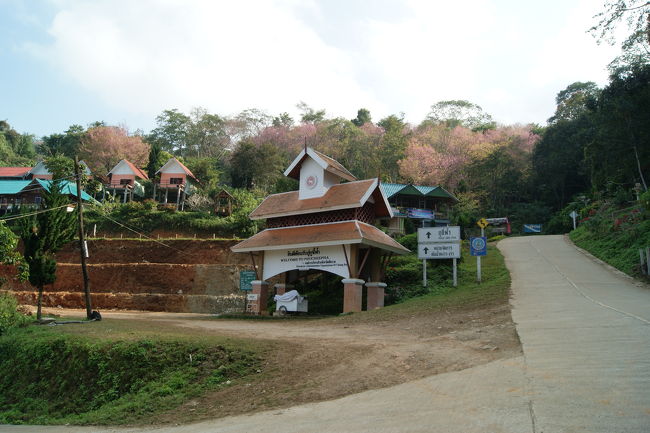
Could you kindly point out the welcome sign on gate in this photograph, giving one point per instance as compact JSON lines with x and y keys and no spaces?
{"x":323,"y":258}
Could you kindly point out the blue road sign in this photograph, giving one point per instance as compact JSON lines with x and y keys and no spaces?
{"x":478,"y":246}
{"x":532,"y":228}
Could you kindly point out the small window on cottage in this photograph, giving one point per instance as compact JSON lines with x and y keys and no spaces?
{"x":37,"y":199}
{"x":176,"y":180}
{"x":125,"y":181}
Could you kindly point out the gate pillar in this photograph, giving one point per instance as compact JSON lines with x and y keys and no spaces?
{"x":375,"y":295}
{"x":260,"y":293}
{"x":352,"y":294}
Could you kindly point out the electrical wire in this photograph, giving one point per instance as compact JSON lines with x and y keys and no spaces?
{"x":34,"y":213}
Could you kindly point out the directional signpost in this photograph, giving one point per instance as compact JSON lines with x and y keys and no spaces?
{"x":438,"y":243}
{"x":573,"y":216}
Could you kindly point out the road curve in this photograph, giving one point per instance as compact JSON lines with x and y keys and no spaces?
{"x":585,"y":332}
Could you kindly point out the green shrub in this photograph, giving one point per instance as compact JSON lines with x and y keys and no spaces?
{"x":50,"y":378}
{"x":10,"y":317}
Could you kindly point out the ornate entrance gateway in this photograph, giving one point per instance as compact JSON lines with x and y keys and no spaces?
{"x":326,"y":225}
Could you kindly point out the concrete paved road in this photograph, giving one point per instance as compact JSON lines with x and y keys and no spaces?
{"x":585,"y":331}
{"x":586,"y":365}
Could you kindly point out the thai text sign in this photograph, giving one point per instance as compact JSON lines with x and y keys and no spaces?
{"x":245,"y":279}
{"x":438,"y":234}
{"x":439,"y":242}
{"x":324,"y":258}
{"x":450,"y":250}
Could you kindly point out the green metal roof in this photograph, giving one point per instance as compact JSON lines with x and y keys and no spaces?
{"x":390,"y":189}
{"x":67,"y":187}
{"x":11,"y":187}
{"x":424,"y":190}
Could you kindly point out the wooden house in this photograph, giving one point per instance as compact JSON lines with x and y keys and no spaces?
{"x":123,"y":179}
{"x":175,"y":183}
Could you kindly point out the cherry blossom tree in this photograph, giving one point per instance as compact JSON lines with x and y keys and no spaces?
{"x":104,"y":146}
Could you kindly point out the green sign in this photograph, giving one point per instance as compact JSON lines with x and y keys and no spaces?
{"x":245,"y":279}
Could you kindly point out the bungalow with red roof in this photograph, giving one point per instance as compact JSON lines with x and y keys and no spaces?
{"x":178,"y":179}
{"x":123,"y":178}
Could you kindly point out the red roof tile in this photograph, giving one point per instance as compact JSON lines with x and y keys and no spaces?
{"x":338,"y":233}
{"x":139,"y":173}
{"x":14,"y":171}
{"x":341,"y":196}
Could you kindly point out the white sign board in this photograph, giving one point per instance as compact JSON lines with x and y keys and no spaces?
{"x":329,"y":258}
{"x":251,"y":297}
{"x":428,"y":235}
{"x":450,"y":250}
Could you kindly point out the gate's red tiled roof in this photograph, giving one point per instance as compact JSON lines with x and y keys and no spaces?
{"x":341,"y":196}
{"x":338,"y":233}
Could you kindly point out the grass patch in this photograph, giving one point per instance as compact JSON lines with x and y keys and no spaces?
{"x":615,"y":239}
{"x":114,"y":371}
{"x":469,"y":294}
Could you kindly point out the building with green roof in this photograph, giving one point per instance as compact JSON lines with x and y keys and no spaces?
{"x":17,"y":193}
{"x":425,"y":205}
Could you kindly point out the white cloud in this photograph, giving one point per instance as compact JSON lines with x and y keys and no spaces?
{"x":141,"y":57}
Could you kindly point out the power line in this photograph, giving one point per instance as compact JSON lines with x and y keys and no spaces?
{"x":33,"y":213}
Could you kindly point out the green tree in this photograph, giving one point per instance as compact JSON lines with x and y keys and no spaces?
{"x":62,"y":168}
{"x":67,"y":144}
{"x":283,"y":120}
{"x":393,"y":145}
{"x":558,"y":162}
{"x":8,"y":244}
{"x":43,"y":235}
{"x":254,"y":166}
{"x":620,"y":152}
{"x":15,"y":148}
{"x":460,"y":112}
{"x":363,"y":117}
{"x":205,"y":170}
{"x":171,"y":131}
{"x":574,"y":101}
{"x":309,"y":115}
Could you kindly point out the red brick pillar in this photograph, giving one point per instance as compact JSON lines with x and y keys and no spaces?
{"x":375,"y":295}
{"x":258,"y":298}
{"x":281,"y":289}
{"x":352,"y":294}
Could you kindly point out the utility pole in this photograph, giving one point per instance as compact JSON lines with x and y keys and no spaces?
{"x":82,"y":240}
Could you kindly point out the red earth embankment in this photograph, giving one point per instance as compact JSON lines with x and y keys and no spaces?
{"x":200,"y":276}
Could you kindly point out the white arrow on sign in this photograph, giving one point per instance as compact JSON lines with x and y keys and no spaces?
{"x":450,"y":250}
{"x":428,"y":235}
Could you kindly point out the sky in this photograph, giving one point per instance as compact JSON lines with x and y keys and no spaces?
{"x":65,"y":62}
